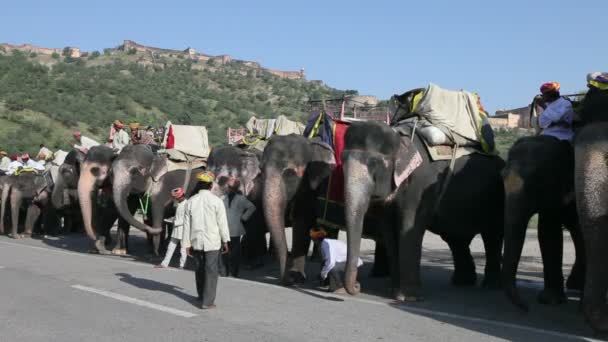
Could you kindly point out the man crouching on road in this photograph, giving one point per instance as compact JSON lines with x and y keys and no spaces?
{"x":334,"y":260}
{"x":205,"y":233}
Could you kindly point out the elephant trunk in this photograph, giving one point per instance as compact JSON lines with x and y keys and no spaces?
{"x":87,"y":187}
{"x":5,"y":192}
{"x":517,"y":216}
{"x":120,"y":191}
{"x":357,"y":193}
{"x":57,"y":196}
{"x":274,"y":203}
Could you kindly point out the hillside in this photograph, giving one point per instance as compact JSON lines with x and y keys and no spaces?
{"x":44,"y":96}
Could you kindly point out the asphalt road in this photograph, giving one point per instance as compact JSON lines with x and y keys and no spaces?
{"x":53,"y":290}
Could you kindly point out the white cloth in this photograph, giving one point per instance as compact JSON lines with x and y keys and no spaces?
{"x":456,"y":111}
{"x":86,"y":143}
{"x":45,"y":153}
{"x":334,"y":256}
{"x":183,"y":254}
{"x":239,"y":210}
{"x":121,"y":139}
{"x":205,"y":222}
{"x":34,"y":165}
{"x":13,"y":167}
{"x":191,"y":140}
{"x":178,"y":221}
{"x":556,"y":119}
{"x":4,"y":163}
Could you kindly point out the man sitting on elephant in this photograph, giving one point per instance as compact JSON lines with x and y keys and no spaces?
{"x":556,"y":119}
{"x":334,"y":259}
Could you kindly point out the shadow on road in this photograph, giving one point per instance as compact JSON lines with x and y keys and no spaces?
{"x":152,"y":285}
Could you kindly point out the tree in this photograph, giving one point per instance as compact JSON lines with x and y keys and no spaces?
{"x":131,"y":51}
{"x":55,"y":55}
{"x":33,"y":55}
{"x":94,"y":55}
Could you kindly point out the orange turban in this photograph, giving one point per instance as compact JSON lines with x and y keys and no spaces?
{"x":118,"y":124}
{"x":318,"y":233}
{"x":549,"y":87}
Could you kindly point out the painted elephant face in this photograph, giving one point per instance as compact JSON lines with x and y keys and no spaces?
{"x":229,"y":161}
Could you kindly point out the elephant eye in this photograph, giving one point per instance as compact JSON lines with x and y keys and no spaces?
{"x":95,"y":171}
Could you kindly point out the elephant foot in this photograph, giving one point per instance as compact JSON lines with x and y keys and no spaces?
{"x":575,"y":282}
{"x":411,"y":294}
{"x":464,"y":279}
{"x":491,"y":283}
{"x":26,"y":235}
{"x":119,"y":251}
{"x":551,"y":297}
{"x":100,"y":247}
{"x":597,"y":318}
{"x":14,"y":236}
{"x":297,"y":277}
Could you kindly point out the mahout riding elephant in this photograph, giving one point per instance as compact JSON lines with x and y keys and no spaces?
{"x":539,"y":179}
{"x":244,"y":165}
{"x":33,"y":190}
{"x":591,"y":189}
{"x":375,"y":158}
{"x":65,"y":190}
{"x":294,"y":168}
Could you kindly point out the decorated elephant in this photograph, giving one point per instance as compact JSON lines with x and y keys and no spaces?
{"x":591,"y":188}
{"x":539,"y":179}
{"x":294,"y":169}
{"x":382,"y":168}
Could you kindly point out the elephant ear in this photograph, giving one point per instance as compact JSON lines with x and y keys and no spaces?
{"x":158,"y":168}
{"x":323,"y":162}
{"x":406,"y":161}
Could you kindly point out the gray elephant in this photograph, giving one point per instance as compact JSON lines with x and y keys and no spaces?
{"x":294,"y":169}
{"x":539,"y":179}
{"x":32,"y":189}
{"x":244,"y":165}
{"x":375,"y":158}
{"x":65,"y":190}
{"x":591,"y":188}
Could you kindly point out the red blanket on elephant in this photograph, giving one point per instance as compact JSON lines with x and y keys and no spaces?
{"x":335,"y":191}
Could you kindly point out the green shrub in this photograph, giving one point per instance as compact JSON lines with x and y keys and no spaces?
{"x":55,"y":55}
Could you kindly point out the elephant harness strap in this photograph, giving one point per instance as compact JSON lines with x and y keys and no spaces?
{"x":144,"y":205}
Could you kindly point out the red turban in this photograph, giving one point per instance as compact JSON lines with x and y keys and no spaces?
{"x":549,"y":87}
{"x":76,"y":134}
{"x":177,"y":193}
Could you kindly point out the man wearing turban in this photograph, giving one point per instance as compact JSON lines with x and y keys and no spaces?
{"x":205,"y":234}
{"x":556,"y":119}
{"x":121,"y":138}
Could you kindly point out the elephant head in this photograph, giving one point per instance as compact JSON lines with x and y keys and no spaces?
{"x":94,"y":173}
{"x":132,"y":171}
{"x":375,"y":161}
{"x":230,"y":161}
{"x":290,"y":164}
{"x":67,"y":178}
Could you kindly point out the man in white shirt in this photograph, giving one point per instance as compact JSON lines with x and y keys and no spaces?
{"x":556,"y":119}
{"x":334,"y":254}
{"x":177,"y":234}
{"x":83,"y":143}
{"x":15,"y":165}
{"x":31,"y":164}
{"x":121,"y":138}
{"x":205,"y":233}
{"x":44,"y":153}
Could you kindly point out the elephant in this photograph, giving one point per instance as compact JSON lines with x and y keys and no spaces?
{"x":470,"y":202}
{"x":591,"y":190}
{"x":65,"y":190}
{"x":294,"y":168}
{"x":28,"y":188}
{"x":244,"y":165}
{"x":539,"y":179}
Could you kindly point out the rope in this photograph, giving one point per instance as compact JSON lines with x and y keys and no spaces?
{"x":144,"y":208}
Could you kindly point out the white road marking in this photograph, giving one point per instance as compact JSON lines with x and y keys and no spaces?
{"x":135,"y":301}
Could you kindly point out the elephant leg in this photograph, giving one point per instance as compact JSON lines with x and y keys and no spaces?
{"x":392,"y":251}
{"x":16,"y":200}
{"x":410,"y":251}
{"x":381,"y":265}
{"x":576,"y":280}
{"x":304,"y":220}
{"x":550,"y":239}
{"x":122,"y":247}
{"x":492,"y":242}
{"x":33,"y":213}
{"x":464,"y":266}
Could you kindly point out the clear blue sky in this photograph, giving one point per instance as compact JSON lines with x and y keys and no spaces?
{"x":502,"y":49}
